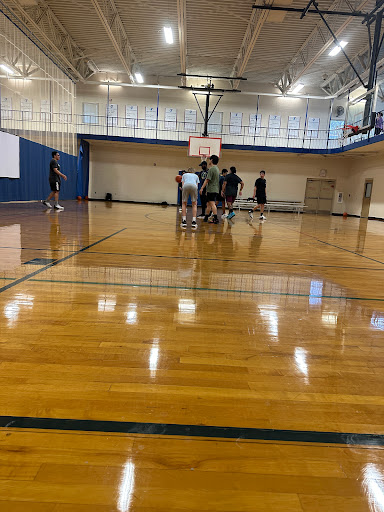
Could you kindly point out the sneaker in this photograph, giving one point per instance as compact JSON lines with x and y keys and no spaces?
{"x":183,"y":224}
{"x":194,"y":224}
{"x":201,"y":216}
{"x":211,"y":215}
{"x":262,"y":217}
{"x":231,"y":215}
{"x":46,"y":203}
{"x":180,"y":210}
{"x":224,"y":216}
{"x":58,"y":207}
{"x":214,"y":221}
{"x":205,"y":219}
{"x":250,"y":213}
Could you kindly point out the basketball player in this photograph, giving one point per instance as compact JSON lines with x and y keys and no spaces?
{"x":230,"y":186}
{"x":211,"y":184}
{"x":203,"y":196}
{"x":260,"y":192}
{"x":189,"y":182}
{"x":220,"y":196}
{"x":54,"y":181}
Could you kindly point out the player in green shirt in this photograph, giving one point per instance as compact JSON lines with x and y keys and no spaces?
{"x":212,"y":185}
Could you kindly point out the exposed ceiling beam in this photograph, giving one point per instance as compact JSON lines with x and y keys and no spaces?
{"x":110,"y":18}
{"x":314,"y":46}
{"x":251,"y":35}
{"x":182,"y":24}
{"x":345,"y":78}
{"x":45,"y":29}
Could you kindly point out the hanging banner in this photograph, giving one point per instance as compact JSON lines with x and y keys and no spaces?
{"x":26,"y":109}
{"x":254,"y":124}
{"x":111,"y":113}
{"x":274,"y":126}
{"x":235,"y":122}
{"x":293,"y":127}
{"x":190,"y":117}
{"x":313,"y":127}
{"x":170,"y":119}
{"x":150,"y":118}
{"x":45,"y":110}
{"x":65,"y":111}
{"x":131,"y":116}
{"x":6,"y":108}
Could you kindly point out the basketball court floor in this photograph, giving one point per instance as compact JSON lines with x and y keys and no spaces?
{"x":144,"y":368}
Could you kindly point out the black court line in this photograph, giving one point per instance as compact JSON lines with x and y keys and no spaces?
{"x":32,"y":274}
{"x":195,"y":288}
{"x":171,"y":429}
{"x":335,"y":246}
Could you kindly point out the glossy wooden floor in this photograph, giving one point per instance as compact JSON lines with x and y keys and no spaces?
{"x":277,"y":325}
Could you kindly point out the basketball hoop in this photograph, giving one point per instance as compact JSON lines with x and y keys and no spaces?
{"x":204,"y":147}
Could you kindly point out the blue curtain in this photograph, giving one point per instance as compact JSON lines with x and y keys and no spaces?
{"x":83,"y":169}
{"x":34,"y":171}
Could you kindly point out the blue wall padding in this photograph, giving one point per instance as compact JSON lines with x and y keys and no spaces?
{"x":34,"y":171}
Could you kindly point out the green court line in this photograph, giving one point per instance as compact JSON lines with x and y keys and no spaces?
{"x":8,"y":278}
{"x":190,"y":288}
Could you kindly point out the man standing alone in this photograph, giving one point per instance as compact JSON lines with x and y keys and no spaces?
{"x":260,"y":192}
{"x":54,"y":181}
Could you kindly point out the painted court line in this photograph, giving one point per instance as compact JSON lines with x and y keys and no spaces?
{"x":32,"y":274}
{"x":133,"y":285}
{"x":171,"y":429}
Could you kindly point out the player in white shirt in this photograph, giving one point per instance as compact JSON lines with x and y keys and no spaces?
{"x":189,"y":182}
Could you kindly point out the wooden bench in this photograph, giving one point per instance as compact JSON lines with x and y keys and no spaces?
{"x":284,"y":206}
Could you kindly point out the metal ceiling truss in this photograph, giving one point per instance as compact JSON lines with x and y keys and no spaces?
{"x":182,"y":25}
{"x":251,"y":35}
{"x":110,"y":18}
{"x":44,"y":27}
{"x":19,"y":61}
{"x":316,"y":44}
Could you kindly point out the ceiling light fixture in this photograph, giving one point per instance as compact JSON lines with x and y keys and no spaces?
{"x":168,"y":35}
{"x":337,"y":48}
{"x":296,"y":89}
{"x":7,"y":69}
{"x":139,"y":78}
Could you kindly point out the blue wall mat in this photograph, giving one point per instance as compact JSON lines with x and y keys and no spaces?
{"x":83,"y":169}
{"x":34,"y":171}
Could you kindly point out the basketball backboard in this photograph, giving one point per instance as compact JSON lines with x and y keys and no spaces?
{"x":204,"y":146}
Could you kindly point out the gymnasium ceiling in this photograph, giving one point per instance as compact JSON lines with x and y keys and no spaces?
{"x":114,"y":39}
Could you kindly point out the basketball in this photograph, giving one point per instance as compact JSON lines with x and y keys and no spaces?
{"x":178,"y":178}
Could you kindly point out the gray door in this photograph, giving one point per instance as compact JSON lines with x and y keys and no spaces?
{"x":319,"y":195}
{"x":366,"y":198}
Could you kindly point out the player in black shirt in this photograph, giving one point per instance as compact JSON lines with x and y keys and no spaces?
{"x":203,"y":197}
{"x":54,"y":181}
{"x":260,"y":192}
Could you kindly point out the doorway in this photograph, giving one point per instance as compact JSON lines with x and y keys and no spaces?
{"x":366,"y":198}
{"x":319,"y":195}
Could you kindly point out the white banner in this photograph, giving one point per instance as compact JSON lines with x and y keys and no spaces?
{"x":313,"y":124}
{"x":293,"y":127}
{"x":274,"y":126}
{"x":190,"y":117}
{"x":45,"y":110}
{"x":131,"y":116}
{"x":65,"y":111}
{"x":111,"y":113}
{"x":10,"y":156}
{"x":6,"y":108}
{"x":235,"y":122}
{"x":26,"y":109}
{"x":150,"y":118}
{"x":254,"y":124}
{"x":170,"y":119}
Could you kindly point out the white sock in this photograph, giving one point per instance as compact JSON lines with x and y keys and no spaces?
{"x":193,"y":219}
{"x":185,"y":218}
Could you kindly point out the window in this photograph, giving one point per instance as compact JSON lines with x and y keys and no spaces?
{"x":90,"y":113}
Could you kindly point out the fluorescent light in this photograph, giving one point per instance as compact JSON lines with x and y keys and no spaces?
{"x":337,"y":48}
{"x":168,"y":35}
{"x":296,"y":89}
{"x":139,"y":78}
{"x":7,"y":69}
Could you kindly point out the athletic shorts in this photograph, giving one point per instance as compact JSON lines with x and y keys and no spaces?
{"x":55,"y":186}
{"x":212,"y":196}
{"x":189,"y":190}
{"x":231,"y":199}
{"x":261,"y":199}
